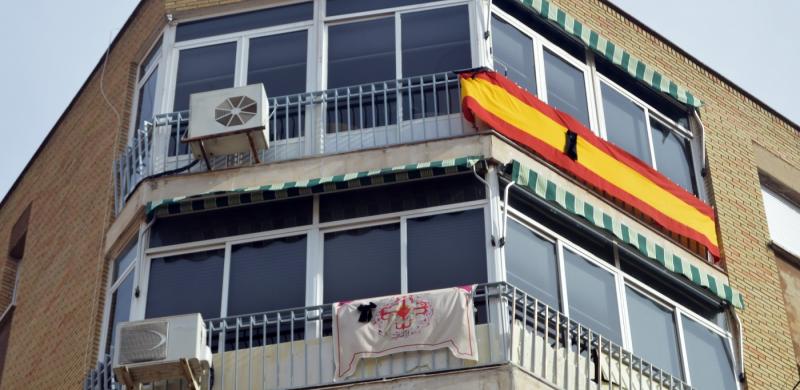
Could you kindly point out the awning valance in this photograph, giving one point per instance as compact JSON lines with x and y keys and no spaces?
{"x":240,"y":196}
{"x":604,"y":217}
{"x":612,"y":52}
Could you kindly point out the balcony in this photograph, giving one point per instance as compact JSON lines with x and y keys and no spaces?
{"x":340,"y":120}
{"x":293,"y":349}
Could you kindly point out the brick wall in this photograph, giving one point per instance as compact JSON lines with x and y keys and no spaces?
{"x":56,"y":324}
{"x":734,"y":123}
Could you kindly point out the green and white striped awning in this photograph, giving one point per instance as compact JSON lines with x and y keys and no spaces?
{"x":600,"y":215}
{"x":241,"y":196}
{"x":617,"y":55}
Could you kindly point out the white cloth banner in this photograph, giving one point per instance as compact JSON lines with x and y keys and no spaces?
{"x":425,"y":321}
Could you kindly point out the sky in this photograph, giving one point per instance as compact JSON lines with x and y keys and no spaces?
{"x":49,"y":47}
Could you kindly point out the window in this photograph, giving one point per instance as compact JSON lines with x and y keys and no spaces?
{"x":435,"y":41}
{"x":566,"y":87}
{"x":434,"y":258}
{"x":513,"y":54}
{"x":531,"y":263}
{"x":279,"y":62}
{"x":625,"y":124}
{"x":653,"y":332}
{"x":245,"y":21}
{"x":658,"y":321}
{"x":204,"y":69}
{"x":646,"y":134}
{"x":709,"y":357}
{"x":187,"y":283}
{"x":121,"y":292}
{"x":148,"y":80}
{"x":592,"y":297}
{"x":783,"y":217}
{"x":372,"y":59}
{"x":267,"y":275}
{"x":374,"y":272}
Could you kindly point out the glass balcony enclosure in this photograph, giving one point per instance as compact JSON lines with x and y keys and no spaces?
{"x":275,"y":256}
{"x":376,"y":74}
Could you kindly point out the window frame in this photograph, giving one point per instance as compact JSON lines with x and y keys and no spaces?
{"x":396,"y":13}
{"x":540,"y":44}
{"x":622,"y":280}
{"x":315,"y":236}
{"x":156,"y":66}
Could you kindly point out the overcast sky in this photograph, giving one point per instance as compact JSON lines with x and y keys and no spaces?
{"x":49,"y":47}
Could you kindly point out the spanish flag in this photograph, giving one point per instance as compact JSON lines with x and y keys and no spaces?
{"x":568,"y":144}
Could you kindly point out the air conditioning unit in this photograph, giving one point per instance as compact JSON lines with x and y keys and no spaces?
{"x":228,"y":121}
{"x":162,"y":348}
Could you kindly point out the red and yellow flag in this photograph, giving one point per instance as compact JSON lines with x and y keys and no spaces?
{"x":528,"y":121}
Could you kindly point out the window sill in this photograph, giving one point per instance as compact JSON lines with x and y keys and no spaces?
{"x":784,"y":253}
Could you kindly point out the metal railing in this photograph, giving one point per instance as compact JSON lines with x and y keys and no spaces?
{"x":293,"y":348}
{"x":337,"y":120}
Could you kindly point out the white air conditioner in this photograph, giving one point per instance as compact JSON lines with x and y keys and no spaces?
{"x":160,"y":349}
{"x":228,"y":121}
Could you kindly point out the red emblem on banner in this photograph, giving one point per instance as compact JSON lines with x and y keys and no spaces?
{"x":403,"y":316}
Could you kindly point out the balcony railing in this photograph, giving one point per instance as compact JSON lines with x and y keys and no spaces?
{"x":293,"y":349}
{"x":337,"y":120}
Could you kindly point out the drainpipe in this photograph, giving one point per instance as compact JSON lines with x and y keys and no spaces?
{"x":505,"y":213}
{"x":740,"y":343}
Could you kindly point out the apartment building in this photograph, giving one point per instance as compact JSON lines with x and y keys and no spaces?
{"x":623,"y":214}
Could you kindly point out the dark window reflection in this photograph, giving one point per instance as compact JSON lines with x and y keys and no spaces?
{"x":267,"y":275}
{"x":592,"y":296}
{"x":446,"y":250}
{"x":244,"y":21}
{"x":626,"y":125}
{"x":531,"y":263}
{"x":361,"y":52}
{"x":184,"y":284}
{"x":653,"y":333}
{"x":513,"y":54}
{"x":435,"y":41}
{"x":673,"y":156}
{"x":710,"y":360}
{"x":361,"y":263}
{"x":566,"y":87}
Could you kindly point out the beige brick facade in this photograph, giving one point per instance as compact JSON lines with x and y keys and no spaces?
{"x":57,"y":321}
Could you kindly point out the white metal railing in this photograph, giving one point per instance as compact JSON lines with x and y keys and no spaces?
{"x":326,"y":122}
{"x":293,"y":349}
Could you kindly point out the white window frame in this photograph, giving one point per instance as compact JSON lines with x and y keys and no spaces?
{"x":622,"y":280}
{"x":315,"y":235}
{"x":157,"y":67}
{"x":540,"y":43}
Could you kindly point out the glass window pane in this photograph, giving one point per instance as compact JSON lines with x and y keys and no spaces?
{"x":673,"y":156}
{"x":513,"y":54}
{"x":147,"y":100}
{"x":361,"y":263}
{"x":183,"y":284}
{"x":783,"y":218}
{"x":120,"y":308}
{"x":204,"y":69}
{"x":653,"y":333}
{"x":592,"y":296}
{"x":446,"y":250}
{"x":245,"y":21}
{"x":232,"y":221}
{"x":710,"y":360}
{"x":267,"y":275}
{"x":566,"y":89}
{"x":151,"y":59}
{"x":341,"y":7}
{"x":436,"y":41}
{"x":625,"y":123}
{"x":124,"y":260}
{"x":279,"y":62}
{"x":531,"y":263}
{"x":400,"y":197}
{"x":372,"y":59}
